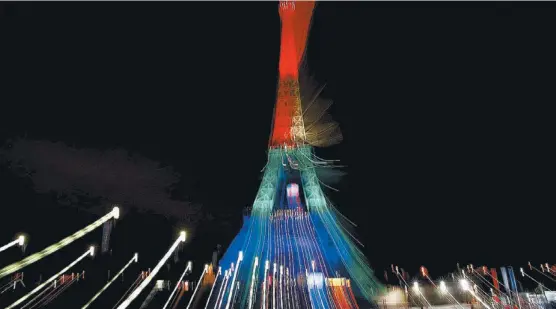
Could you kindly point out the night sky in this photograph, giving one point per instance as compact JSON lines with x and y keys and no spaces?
{"x":446,"y":110}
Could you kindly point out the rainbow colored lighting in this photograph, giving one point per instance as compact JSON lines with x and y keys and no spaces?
{"x":310,"y":260}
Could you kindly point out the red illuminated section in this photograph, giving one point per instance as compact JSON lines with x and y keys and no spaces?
{"x":295,"y":17}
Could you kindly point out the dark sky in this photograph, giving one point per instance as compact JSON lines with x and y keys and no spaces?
{"x":446,"y":111}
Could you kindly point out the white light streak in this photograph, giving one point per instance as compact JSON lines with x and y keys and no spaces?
{"x":223,"y":289}
{"x":274,"y":287}
{"x":10,"y":269}
{"x":133,"y":259}
{"x":150,"y":277}
{"x":281,"y":287}
{"x":35,"y":290}
{"x":253,"y":282}
{"x":465,"y":286}
{"x":239,"y":259}
{"x":10,"y":244}
{"x":213,"y":285}
{"x":266,"y":267}
{"x":187,"y":268}
{"x":197,"y":287}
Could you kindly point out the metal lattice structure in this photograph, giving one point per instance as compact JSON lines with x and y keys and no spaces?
{"x":292,"y":251}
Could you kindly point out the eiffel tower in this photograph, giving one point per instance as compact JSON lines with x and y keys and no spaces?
{"x":292,"y":251}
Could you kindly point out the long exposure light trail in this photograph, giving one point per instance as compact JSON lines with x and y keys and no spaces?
{"x":135,"y":258}
{"x":406,"y":285}
{"x":465,"y":286}
{"x":197,"y":287}
{"x":19,"y":241}
{"x":239,"y":259}
{"x":281,"y":287}
{"x":90,"y":251}
{"x":417,"y":291}
{"x":49,"y":289}
{"x":253,"y":282}
{"x":524,"y":274}
{"x":150,"y":277}
{"x":443,"y":288}
{"x":213,"y":286}
{"x":131,"y":288}
{"x":542,"y":272}
{"x":266,"y":267}
{"x":187,"y":268}
{"x":115,"y":213}
{"x":274,"y":287}
{"x":223,"y":289}
{"x":54,"y":293}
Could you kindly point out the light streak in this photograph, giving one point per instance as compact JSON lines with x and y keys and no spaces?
{"x":115,"y":213}
{"x":90,"y":251}
{"x":197,"y":287}
{"x":223,"y":289}
{"x":523,"y":273}
{"x":55,"y":293}
{"x":41,"y":294}
{"x":135,"y":258}
{"x":239,"y":259}
{"x":444,"y":290}
{"x":274,"y":287}
{"x":213,"y":285}
{"x":417,"y":290}
{"x":266,"y":267}
{"x":19,"y":241}
{"x":150,"y":277}
{"x":465,"y":286}
{"x":187,"y":268}
{"x":131,"y":288}
{"x":406,"y":285}
{"x":281,"y":287}
{"x":53,"y":286}
{"x":253,"y":282}
{"x":542,"y":272}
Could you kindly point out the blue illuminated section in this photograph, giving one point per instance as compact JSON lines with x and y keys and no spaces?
{"x":288,"y":249}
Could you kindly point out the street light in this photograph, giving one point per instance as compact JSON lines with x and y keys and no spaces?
{"x":416,"y":286}
{"x":116,"y":212}
{"x":443,"y":288}
{"x":464,"y":284}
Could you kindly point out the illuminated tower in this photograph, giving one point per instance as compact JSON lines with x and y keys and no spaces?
{"x":292,"y":251}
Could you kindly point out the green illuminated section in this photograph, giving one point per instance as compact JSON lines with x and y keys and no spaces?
{"x":264,"y":200}
{"x":353,"y":259}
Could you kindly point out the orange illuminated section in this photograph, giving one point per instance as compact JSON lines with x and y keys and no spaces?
{"x":295,"y":18}
{"x":342,"y":294}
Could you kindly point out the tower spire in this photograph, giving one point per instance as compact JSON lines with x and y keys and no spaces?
{"x":288,"y":128}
